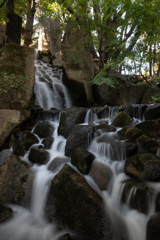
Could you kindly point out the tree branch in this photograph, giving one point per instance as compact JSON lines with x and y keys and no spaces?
{"x":145,"y":79}
{"x":3,"y":3}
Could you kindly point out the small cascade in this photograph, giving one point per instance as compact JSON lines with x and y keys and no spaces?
{"x":36,"y":54}
{"x":49,"y":90}
{"x":90,"y":117}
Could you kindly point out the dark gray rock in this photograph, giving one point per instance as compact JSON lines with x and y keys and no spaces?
{"x":141,"y":195}
{"x":101,"y":174}
{"x":48,"y":141}
{"x":143,"y":167}
{"x":130,"y":133}
{"x":153,"y":227}
{"x":147,"y":145}
{"x":79,"y":136}
{"x":44,"y":129}
{"x":39,"y":156}
{"x":68,"y":118}
{"x":81,"y":209}
{"x":152,"y":112}
{"x":82,"y":159}
{"x":150,"y":127}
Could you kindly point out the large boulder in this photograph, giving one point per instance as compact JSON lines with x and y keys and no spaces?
{"x":50,"y":34}
{"x":80,"y":208}
{"x":143,"y":167}
{"x":121,"y":94}
{"x":132,"y":94}
{"x":152,"y":112}
{"x":151,"y":91}
{"x":2,"y":36}
{"x":15,"y":181}
{"x":78,"y":66}
{"x":68,"y":118}
{"x":153,"y":227}
{"x":150,"y":127}
{"x":79,"y":136}
{"x":10,"y":119}
{"x":17,"y":60}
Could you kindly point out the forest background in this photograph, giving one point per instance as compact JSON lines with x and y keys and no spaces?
{"x":124,"y":35}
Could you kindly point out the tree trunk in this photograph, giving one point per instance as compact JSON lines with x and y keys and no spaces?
{"x":29,"y":24}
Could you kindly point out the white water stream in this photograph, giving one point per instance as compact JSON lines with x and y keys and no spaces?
{"x":31,"y":224}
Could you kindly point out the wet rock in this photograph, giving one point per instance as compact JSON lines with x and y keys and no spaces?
{"x":82,"y":159}
{"x":130,"y":132}
{"x":79,"y":136}
{"x":80,"y":208}
{"x":152,"y":112}
{"x":44,"y":129}
{"x":147,"y":145}
{"x":5,"y":213}
{"x":131,"y":149}
{"x":101,"y":174}
{"x":57,"y":163}
{"x":150,"y":127}
{"x":105,"y":128}
{"x":48,"y":141}
{"x":143,"y":167}
{"x":39,"y":156}
{"x":21,"y":146}
{"x":15,"y":181}
{"x":153,"y":227}
{"x":49,"y":115}
{"x":136,"y":111}
{"x":137,"y":195}
{"x":9,"y":120}
{"x":121,"y":120}
{"x":158,"y":202}
{"x":68,"y":118}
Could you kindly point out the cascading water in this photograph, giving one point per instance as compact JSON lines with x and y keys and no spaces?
{"x":49,"y":90}
{"x":31,"y":224}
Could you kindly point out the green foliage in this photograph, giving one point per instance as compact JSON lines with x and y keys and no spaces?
{"x":13,"y":82}
{"x":156,"y":98}
{"x":101,"y":78}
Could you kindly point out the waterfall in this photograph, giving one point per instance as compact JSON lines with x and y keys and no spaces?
{"x":49,"y":90}
{"x":31,"y":223}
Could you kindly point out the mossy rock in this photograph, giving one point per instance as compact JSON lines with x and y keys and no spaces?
{"x":130,"y":132}
{"x":39,"y":156}
{"x":143,"y":167}
{"x":150,"y":127}
{"x":17,"y":60}
{"x":81,"y":209}
{"x":82,"y":159}
{"x":5,"y":213}
{"x":121,"y":120}
{"x":147,"y":145}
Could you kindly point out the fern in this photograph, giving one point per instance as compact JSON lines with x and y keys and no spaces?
{"x":100,"y":79}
